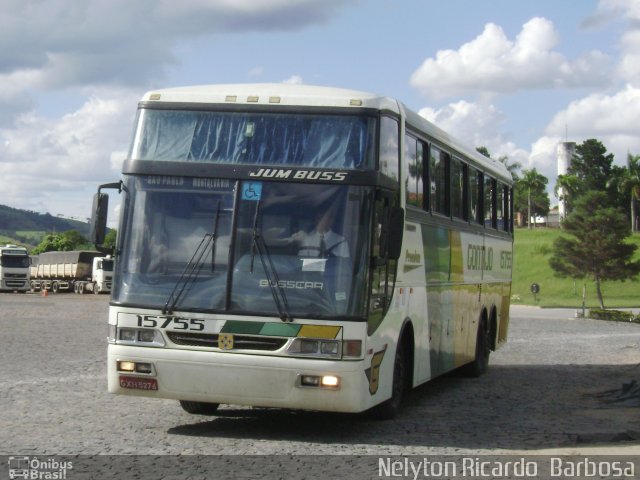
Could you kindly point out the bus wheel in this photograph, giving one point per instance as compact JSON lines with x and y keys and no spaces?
{"x":199,"y":408}
{"x":391,"y":408}
{"x":480,"y":363}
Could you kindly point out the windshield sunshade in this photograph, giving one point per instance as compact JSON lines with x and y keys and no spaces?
{"x":321,"y":141}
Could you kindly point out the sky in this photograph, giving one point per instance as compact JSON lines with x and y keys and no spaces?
{"x":515,"y":76}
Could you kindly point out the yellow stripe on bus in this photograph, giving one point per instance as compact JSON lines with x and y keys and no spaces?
{"x":318,"y":331}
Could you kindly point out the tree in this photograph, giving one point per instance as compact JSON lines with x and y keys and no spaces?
{"x":110,"y":239}
{"x":598,"y":250}
{"x":530,"y":190}
{"x":512,"y":167}
{"x":627,"y":182}
{"x":591,"y":168}
{"x":62,"y":242}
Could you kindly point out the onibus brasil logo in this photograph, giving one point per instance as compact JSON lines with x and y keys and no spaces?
{"x":38,"y":468}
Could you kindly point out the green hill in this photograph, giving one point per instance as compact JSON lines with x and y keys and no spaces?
{"x":28,"y":228}
{"x":533,"y":249}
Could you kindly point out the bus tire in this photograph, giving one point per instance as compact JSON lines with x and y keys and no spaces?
{"x":199,"y":408}
{"x":391,"y":408}
{"x":480,"y":363}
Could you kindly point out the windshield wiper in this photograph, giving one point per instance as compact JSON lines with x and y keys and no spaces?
{"x":194,"y":266}
{"x":277,"y":292}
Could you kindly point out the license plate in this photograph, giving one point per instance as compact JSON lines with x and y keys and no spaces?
{"x":138,"y":383}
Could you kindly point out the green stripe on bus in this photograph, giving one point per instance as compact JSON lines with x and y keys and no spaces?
{"x":280,"y":329}
{"x":248,"y":328}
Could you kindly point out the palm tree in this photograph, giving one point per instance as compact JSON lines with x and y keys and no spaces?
{"x":531,"y":180}
{"x":628,"y":181}
{"x":632,"y":184}
{"x":512,"y":167}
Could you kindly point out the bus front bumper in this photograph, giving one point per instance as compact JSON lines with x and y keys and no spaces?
{"x":239,"y":379}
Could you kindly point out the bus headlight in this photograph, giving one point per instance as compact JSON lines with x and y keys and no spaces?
{"x":144,"y":337}
{"x":323,"y":348}
{"x":316,"y":347}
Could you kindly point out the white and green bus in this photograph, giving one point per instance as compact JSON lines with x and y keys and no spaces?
{"x":301,"y":247}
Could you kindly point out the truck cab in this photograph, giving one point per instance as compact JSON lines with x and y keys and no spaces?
{"x":14,"y":269}
{"x":102,"y":274}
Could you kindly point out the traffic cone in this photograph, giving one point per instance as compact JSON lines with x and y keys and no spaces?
{"x":45,"y":292}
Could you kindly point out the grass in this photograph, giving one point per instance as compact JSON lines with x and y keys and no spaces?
{"x":533,"y":248}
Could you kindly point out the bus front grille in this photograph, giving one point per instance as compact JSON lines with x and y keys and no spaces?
{"x":240,"y":342}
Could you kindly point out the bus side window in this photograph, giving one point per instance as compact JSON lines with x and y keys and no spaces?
{"x":439,"y":181}
{"x":500,"y":213}
{"x":506,"y":208}
{"x":383,"y":269}
{"x":475,"y":192}
{"x":511,"y":213}
{"x":389,"y":147}
{"x":459,"y":189}
{"x":413,"y":171}
{"x":489,"y":202}
{"x":421,"y":156}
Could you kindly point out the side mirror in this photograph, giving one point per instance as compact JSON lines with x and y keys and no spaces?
{"x":98,"y":225}
{"x":396,"y":231}
{"x":99,"y":211}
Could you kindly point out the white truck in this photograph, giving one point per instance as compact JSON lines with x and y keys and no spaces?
{"x":14,"y":269}
{"x":80,"y":271}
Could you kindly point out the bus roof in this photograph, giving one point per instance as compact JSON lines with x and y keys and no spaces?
{"x":283,"y":94}
{"x":272,"y":94}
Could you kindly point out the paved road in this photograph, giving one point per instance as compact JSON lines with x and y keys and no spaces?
{"x":540,"y":393}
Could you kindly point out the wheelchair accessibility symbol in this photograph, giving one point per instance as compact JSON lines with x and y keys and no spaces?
{"x":251,"y":191}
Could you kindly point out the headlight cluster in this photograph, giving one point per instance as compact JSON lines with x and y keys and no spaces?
{"x":322,"y":348}
{"x":143,"y":337}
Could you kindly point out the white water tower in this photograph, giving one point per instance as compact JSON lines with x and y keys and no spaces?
{"x":564,"y":151}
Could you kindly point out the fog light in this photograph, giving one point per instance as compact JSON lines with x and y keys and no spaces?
{"x":310,"y":380}
{"x":330,"y":381}
{"x":143,"y":367}
{"x":124,"y":366}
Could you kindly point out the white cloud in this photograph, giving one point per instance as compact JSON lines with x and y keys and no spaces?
{"x":600,"y":115}
{"x":626,"y":12}
{"x":55,"y":164}
{"x":492,"y":63}
{"x":476,"y":124}
{"x":612,"y":10}
{"x":611,"y":119}
{"x":60,"y":44}
{"x":114,"y":51}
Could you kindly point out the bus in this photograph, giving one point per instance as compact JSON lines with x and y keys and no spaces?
{"x":14,"y":269}
{"x":301,"y":247}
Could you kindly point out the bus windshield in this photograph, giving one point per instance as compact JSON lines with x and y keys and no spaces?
{"x":322,"y":141}
{"x":245,"y":245}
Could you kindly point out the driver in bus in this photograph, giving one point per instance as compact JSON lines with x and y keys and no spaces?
{"x":322,"y":241}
